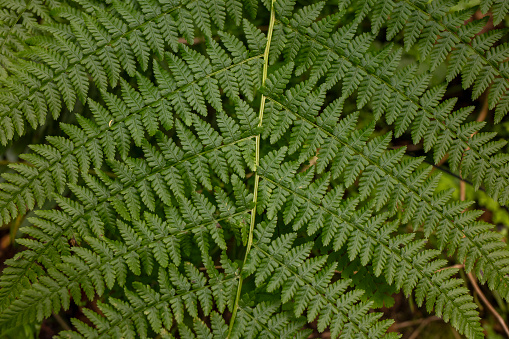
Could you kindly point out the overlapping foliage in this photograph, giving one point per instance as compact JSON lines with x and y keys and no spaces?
{"x":219,"y":176}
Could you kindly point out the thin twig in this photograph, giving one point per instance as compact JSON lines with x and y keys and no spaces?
{"x":195,"y":41}
{"x":15,"y":226}
{"x":62,"y":322}
{"x":455,"y":333}
{"x":109,"y":174}
{"x":444,"y":159}
{"x":423,"y":324}
{"x":484,"y":110}
{"x":453,"y":266}
{"x":7,"y":162}
{"x":490,"y":307}
{"x":216,"y":267}
{"x":463,"y":190}
{"x":414,"y":322}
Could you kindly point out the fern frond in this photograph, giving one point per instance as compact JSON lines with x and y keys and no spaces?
{"x":225,"y":182}
{"x":19,"y":23}
{"x":403,"y":94}
{"x":297,"y":276}
{"x":166,"y":170}
{"x":150,"y":310}
{"x":97,"y":43}
{"x":113,"y":129}
{"x":370,"y":245}
{"x":108,"y":262}
{"x":442,"y":33}
{"x":350,"y":153}
{"x":121,"y":196}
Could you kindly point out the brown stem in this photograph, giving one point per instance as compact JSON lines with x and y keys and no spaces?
{"x":7,"y":162}
{"x":415,"y":322}
{"x":485,"y":300}
{"x":216,"y":267}
{"x":444,"y":159}
{"x":453,"y":266}
{"x":423,"y":324}
{"x":61,"y":321}
{"x":484,"y":110}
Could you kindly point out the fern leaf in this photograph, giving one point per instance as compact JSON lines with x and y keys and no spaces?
{"x":246,"y":168}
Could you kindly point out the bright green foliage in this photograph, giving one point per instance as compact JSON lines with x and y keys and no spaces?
{"x":19,"y":22}
{"x":223,"y":181}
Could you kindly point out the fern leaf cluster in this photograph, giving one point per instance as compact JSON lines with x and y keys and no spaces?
{"x":19,"y":22}
{"x":221,"y":169}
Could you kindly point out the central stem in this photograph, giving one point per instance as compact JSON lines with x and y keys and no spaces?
{"x":257,"y":163}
